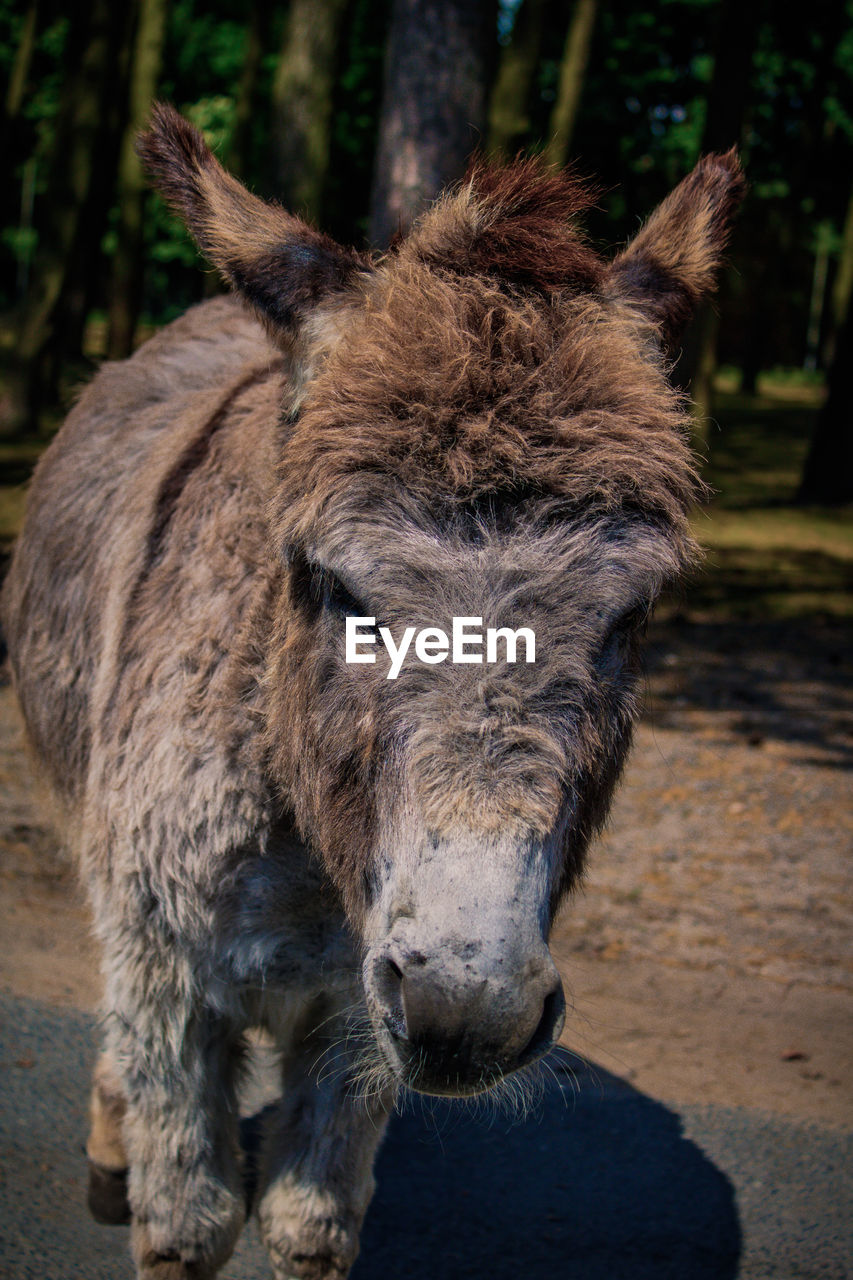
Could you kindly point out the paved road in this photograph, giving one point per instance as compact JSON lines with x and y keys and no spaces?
{"x":604,"y":1184}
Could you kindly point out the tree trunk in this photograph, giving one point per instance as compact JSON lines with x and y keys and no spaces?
{"x":509,"y":118}
{"x":238,"y":155}
{"x":817,"y":299}
{"x":132,"y":188}
{"x":699,"y":359}
{"x":728,"y":96}
{"x":433,"y":108}
{"x":23,"y":60}
{"x":828,"y":470}
{"x":842,"y":287}
{"x":302,"y":102}
{"x":16,"y":202}
{"x":572,"y":71}
{"x":94,"y":43}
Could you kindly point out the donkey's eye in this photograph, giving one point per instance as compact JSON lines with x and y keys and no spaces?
{"x":303,"y":584}
{"x":339,"y":597}
{"x":632,"y":622}
{"x":314,"y":588}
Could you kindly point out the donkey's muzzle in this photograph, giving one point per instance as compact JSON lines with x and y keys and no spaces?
{"x":456,"y":1022}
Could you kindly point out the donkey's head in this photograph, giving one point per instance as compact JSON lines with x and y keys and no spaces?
{"x":478,"y":426}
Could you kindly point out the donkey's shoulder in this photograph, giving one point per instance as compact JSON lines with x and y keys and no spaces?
{"x":204,"y":348}
{"x":147,"y":407}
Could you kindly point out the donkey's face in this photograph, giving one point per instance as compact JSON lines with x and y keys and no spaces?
{"x":479,"y":428}
{"x":456,"y":800}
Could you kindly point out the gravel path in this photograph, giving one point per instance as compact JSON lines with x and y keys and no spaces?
{"x":603,"y":1183}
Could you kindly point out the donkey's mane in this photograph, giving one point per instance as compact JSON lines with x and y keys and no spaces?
{"x":516,"y":222}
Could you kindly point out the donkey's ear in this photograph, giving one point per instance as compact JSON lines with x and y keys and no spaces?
{"x":672,"y":261}
{"x":276,"y":261}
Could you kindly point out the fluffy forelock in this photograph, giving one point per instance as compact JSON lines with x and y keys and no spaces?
{"x":450,"y":390}
{"x":517,"y":223}
{"x":462,"y":370}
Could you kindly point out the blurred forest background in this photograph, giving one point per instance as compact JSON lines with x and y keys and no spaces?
{"x":354,"y":112}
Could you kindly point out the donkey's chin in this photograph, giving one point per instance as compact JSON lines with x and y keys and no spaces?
{"x":452,"y":1074}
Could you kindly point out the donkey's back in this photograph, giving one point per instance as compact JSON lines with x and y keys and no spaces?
{"x":101,"y":499}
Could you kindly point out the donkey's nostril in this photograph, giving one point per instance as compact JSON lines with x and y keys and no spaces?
{"x":388,"y":980}
{"x":389,"y":989}
{"x":447,"y":1030}
{"x":549,"y":1027}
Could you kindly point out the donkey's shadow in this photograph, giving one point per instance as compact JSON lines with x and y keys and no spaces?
{"x":600,"y":1184}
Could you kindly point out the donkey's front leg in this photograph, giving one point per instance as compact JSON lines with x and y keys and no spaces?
{"x":317,"y":1178}
{"x":176,"y":1063}
{"x":105,"y":1146}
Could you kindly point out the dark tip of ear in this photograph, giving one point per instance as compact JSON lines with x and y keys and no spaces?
{"x":171,"y":149}
{"x":168,"y":133}
{"x":721,"y":176}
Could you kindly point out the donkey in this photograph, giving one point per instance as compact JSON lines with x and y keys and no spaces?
{"x":476,"y":425}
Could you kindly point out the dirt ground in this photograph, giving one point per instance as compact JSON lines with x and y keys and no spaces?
{"x":708,"y":956}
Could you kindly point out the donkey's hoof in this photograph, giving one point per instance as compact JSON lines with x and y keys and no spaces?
{"x":201,"y":1259}
{"x":315,"y":1266}
{"x":170,"y":1266}
{"x":316,"y":1259}
{"x":107,"y":1195}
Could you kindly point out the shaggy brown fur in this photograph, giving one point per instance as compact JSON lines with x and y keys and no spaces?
{"x":518,"y":224}
{"x":490,"y":394}
{"x":476,"y":424}
{"x":672,"y":262}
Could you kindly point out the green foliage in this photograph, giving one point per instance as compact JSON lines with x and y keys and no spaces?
{"x":205,"y":49}
{"x":640,"y":128}
{"x":30,"y":135}
{"x":358,"y":99}
{"x":644,"y":101}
